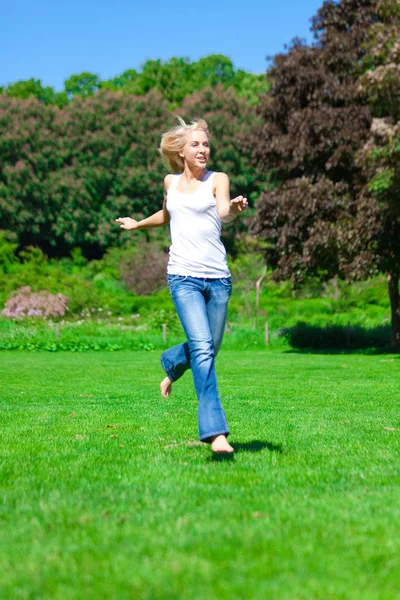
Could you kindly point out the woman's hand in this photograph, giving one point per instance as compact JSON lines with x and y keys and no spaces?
{"x":127,"y":223}
{"x":238,"y":205}
{"x":227,"y":209}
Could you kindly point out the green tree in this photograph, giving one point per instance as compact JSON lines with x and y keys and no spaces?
{"x":122,"y":82}
{"x":67,"y":174}
{"x":380,"y":157}
{"x":174,"y":80}
{"x":31,"y":88}
{"x":230,"y":120}
{"x":250,"y":87}
{"x":85,"y":84}
{"x":178,"y":78}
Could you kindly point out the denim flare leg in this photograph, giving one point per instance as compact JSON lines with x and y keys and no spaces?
{"x":201,"y":304}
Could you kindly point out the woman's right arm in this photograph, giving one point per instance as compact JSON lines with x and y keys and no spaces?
{"x":158,"y":219}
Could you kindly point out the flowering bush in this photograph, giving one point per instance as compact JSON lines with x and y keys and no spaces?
{"x":25,"y":303}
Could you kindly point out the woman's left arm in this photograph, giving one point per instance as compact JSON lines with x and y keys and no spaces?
{"x":227,"y":209}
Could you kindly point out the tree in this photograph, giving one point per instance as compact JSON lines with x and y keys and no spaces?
{"x":174,"y":80}
{"x":67,"y":174}
{"x":321,"y":219}
{"x":250,"y":86}
{"x":127,"y":78}
{"x":380,"y":158}
{"x":85,"y":84}
{"x":178,"y":78}
{"x":31,"y":88}
{"x":230,"y":120}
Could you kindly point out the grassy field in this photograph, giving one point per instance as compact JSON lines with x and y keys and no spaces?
{"x":106,"y":492}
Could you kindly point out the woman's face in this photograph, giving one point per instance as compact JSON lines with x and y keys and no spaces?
{"x":196,"y":150}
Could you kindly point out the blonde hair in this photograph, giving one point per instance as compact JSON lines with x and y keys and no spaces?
{"x":174,"y":140}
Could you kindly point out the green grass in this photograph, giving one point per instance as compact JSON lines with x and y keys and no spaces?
{"x":106,"y":492}
{"x":42,"y":335}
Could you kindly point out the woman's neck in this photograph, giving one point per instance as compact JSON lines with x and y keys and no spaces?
{"x":190,"y":175}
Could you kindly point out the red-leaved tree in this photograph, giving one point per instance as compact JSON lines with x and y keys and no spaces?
{"x":321,"y":218}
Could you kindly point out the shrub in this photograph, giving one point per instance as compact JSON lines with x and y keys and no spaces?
{"x":162,"y":317}
{"x":7,"y":252}
{"x":81,"y":295}
{"x":25,"y":303}
{"x":143,"y":268}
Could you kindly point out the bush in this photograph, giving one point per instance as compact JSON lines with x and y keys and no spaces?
{"x":162,"y":317}
{"x":25,"y":303}
{"x":7,"y":252}
{"x":143,"y":268}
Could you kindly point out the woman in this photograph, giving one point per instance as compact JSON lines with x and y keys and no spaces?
{"x":195,"y":202}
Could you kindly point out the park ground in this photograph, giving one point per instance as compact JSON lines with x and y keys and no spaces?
{"x":107,"y":493}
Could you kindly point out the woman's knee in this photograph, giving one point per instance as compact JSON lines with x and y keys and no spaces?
{"x":202,"y":349}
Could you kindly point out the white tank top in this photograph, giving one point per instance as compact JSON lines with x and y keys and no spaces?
{"x":195,"y":226}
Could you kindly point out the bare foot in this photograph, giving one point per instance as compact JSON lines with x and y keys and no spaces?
{"x":220,"y":444}
{"x":166,"y":387}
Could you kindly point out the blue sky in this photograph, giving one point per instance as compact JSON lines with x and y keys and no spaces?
{"x":54,"y":39}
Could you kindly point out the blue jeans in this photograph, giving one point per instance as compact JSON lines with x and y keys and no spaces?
{"x":202,"y":305}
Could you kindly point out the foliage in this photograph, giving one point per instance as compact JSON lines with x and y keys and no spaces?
{"x":248,"y":265}
{"x":32,"y":266}
{"x":85,"y":84}
{"x":83,"y":287}
{"x":80,"y":336}
{"x":67,"y":174}
{"x":97,"y":284}
{"x":143,"y":268}
{"x":25,"y":303}
{"x":230,"y":120}
{"x":157,"y":319}
{"x":103,"y":314}
{"x":174,"y":80}
{"x":33,"y":88}
{"x":379,"y":158}
{"x":322,"y":218}
{"x":314,"y":120}
{"x":7,"y":252}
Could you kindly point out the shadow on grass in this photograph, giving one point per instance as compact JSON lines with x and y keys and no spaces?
{"x":257,"y":446}
{"x":222,"y":457}
{"x":339,"y":339}
{"x":253,"y":446}
{"x":336,"y":351}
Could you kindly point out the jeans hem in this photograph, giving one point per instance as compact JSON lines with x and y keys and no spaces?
{"x":167,"y":370}
{"x":207,"y":438}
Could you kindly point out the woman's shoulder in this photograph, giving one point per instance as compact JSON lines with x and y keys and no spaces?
{"x":220,"y":176}
{"x":220,"y":179}
{"x":168,"y":180}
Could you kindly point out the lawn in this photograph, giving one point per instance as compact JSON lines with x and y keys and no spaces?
{"x":107,"y":494}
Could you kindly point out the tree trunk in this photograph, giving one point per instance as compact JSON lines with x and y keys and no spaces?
{"x":394,"y":294}
{"x":258,"y":286}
